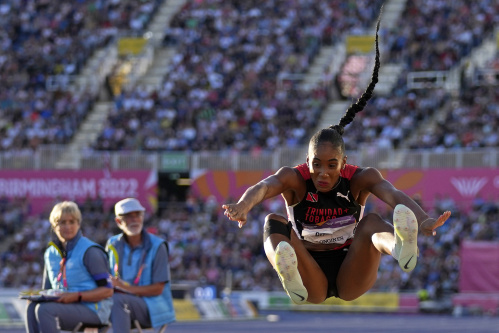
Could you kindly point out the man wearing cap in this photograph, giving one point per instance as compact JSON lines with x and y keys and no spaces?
{"x":140,"y":272}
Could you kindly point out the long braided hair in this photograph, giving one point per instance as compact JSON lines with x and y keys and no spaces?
{"x":333,"y":133}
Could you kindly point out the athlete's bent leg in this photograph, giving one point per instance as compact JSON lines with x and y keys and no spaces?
{"x":277,"y":235}
{"x":358,"y":273}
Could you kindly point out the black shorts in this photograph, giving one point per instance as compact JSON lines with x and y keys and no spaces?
{"x":330,"y":262}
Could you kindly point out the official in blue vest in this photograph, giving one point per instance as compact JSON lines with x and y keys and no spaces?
{"x":140,"y":272}
{"x":76,"y":272}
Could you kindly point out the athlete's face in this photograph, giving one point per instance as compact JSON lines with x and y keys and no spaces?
{"x":325,"y":162}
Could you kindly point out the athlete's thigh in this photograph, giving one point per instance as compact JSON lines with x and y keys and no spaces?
{"x":359,"y":270}
{"x":312,"y":276}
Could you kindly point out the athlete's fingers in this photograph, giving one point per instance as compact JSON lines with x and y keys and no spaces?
{"x":229,"y":211}
{"x":440,"y":221}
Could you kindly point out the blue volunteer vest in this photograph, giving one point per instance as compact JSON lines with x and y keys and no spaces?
{"x":160,"y":307}
{"x":77,"y":276}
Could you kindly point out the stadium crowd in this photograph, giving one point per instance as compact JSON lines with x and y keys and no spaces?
{"x":223,"y":90}
{"x":469,"y":122}
{"x":44,"y":45}
{"x":223,"y":77}
{"x":432,"y":35}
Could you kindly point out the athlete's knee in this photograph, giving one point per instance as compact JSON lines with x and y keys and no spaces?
{"x":348,"y":297}
{"x":371,"y":217}
{"x":369,"y":224}
{"x":273,"y":216}
{"x":276,"y":224}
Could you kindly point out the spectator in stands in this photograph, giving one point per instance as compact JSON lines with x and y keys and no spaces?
{"x":140,"y":272}
{"x":328,"y":248}
{"x":76,"y":269}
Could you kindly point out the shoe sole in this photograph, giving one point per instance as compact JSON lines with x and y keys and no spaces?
{"x":406,"y":227}
{"x":287,"y":269}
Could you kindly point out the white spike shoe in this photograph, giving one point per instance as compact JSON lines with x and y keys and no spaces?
{"x":406,"y":238}
{"x":287,"y":269}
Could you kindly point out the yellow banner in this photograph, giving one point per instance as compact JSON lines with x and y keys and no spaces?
{"x":375,"y":301}
{"x":185,"y":310}
{"x":131,"y":45}
{"x":360,"y":44}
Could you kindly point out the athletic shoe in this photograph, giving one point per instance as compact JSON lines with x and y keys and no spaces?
{"x":406,"y":238}
{"x":287,"y":269}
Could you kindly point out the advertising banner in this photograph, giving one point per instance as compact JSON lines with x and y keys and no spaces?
{"x":224,"y":185}
{"x":131,"y":45}
{"x":463,"y":186}
{"x":46,"y":187}
{"x":360,"y":43}
{"x":479,"y":269}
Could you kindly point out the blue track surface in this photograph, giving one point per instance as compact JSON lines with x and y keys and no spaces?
{"x":330,"y":322}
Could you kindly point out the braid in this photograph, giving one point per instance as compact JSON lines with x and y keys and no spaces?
{"x":361,"y":103}
{"x":334,"y":133}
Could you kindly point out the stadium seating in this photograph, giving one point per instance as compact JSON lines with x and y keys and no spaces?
{"x":229,"y":98}
{"x":42,"y":59}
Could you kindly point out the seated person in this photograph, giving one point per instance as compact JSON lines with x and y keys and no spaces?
{"x":77,"y":269}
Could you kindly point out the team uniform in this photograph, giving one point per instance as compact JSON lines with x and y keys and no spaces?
{"x":327,"y":218}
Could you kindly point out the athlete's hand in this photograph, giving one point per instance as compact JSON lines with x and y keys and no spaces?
{"x":429,"y":225}
{"x":236,"y":212}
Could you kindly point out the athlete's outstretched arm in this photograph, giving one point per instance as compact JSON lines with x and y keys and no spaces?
{"x":385,"y":191}
{"x":283,"y":180}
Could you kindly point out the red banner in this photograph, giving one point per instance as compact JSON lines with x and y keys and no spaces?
{"x":45,"y":188}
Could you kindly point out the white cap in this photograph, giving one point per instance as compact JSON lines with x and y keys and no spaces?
{"x":128,"y":205}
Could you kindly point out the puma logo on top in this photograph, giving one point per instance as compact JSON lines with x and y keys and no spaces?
{"x":343,"y":195}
